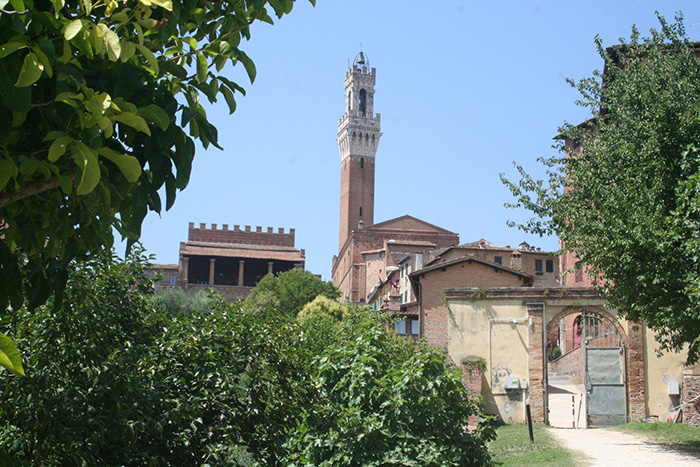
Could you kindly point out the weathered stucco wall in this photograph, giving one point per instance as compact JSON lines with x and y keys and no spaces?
{"x":662,"y":370}
{"x":497,"y":333}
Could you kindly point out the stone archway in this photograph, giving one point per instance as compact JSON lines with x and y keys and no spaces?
{"x":585,"y":369}
{"x":633,"y":341}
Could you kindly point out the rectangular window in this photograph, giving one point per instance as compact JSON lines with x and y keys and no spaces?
{"x":415,"y":327}
{"x":400,"y":327}
{"x":538,"y":265}
{"x":173,"y":280}
{"x":549,"y":265}
{"x":498,"y":260}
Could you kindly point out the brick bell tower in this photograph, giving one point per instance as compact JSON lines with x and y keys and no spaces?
{"x":358,"y":137}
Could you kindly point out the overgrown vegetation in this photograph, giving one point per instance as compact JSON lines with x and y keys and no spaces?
{"x":673,"y":435}
{"x":116,"y":378}
{"x":624,"y":196}
{"x":512,"y":447}
{"x":100,"y":114}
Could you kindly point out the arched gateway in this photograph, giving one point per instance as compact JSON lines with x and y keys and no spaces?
{"x":586,"y":378}
{"x":610,"y":359}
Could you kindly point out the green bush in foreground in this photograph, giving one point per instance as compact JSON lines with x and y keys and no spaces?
{"x":114,"y":378}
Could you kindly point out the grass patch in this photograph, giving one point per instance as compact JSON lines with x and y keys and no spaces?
{"x":676,"y":436}
{"x":512,"y":447}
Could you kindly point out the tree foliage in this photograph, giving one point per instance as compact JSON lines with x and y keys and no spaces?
{"x":381,"y":402}
{"x":177,"y":300}
{"x":117,"y":379}
{"x":99,"y":113}
{"x":623,"y":195}
{"x":287,"y":292}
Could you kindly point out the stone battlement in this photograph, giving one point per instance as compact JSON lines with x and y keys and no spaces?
{"x":362,"y":70}
{"x":372,"y":120}
{"x":241,"y":236}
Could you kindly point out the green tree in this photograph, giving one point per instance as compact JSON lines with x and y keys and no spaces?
{"x":286,"y":293}
{"x":623,"y":195}
{"x":322,"y":306}
{"x":178,"y":300}
{"x":83,"y":401}
{"x":99,"y":113}
{"x":383,"y":401}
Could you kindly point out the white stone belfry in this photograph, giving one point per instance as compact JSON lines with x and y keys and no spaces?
{"x":359,"y":129}
{"x":358,"y":137}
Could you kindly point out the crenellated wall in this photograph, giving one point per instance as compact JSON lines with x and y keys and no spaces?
{"x":241,"y":236}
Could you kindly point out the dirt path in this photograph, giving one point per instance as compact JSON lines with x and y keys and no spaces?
{"x":609,"y":448}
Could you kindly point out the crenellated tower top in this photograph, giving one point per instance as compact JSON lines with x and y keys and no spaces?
{"x":359,"y":128}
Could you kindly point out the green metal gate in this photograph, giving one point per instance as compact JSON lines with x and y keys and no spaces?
{"x":605,"y":371}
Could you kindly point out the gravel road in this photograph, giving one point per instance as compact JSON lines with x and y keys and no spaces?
{"x":609,"y":448}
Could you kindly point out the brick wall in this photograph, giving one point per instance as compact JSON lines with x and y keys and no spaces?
{"x":473,"y":379}
{"x":356,"y":192}
{"x":245,"y":236}
{"x":535,"y":312}
{"x":570,"y":363}
{"x":691,"y":390}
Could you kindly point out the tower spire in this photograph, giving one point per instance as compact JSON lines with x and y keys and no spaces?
{"x":358,"y":137}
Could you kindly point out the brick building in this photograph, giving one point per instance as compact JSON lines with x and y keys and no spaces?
{"x":231,"y":261}
{"x":366,"y":250}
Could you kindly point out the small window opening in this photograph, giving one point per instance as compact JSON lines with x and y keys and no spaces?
{"x":362,"y":163}
{"x":360,"y":211}
{"x":538,"y":265}
{"x":549,"y":264}
{"x":363,"y":102}
{"x":498,"y":260}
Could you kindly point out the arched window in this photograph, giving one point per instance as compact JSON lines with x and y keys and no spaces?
{"x":363,"y":101}
{"x":349,"y":100}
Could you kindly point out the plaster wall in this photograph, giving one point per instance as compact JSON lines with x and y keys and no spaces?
{"x":661,"y":370}
{"x":485,"y":330}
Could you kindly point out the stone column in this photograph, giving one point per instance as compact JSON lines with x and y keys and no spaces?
{"x":241,"y":264}
{"x":535,"y":312}
{"x":636,"y":377}
{"x":270,"y":266}
{"x":184,"y":271}
{"x":212,"y":266}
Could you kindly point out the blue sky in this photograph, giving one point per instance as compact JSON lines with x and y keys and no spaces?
{"x":463,"y":88}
